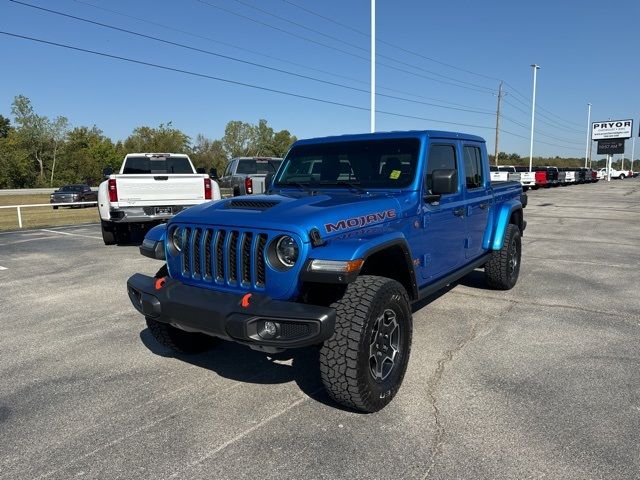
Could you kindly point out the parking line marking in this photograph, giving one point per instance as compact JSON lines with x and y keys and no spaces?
{"x":3,"y":268}
{"x":67,"y":233}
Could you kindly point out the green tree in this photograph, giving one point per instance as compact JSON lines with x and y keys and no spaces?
{"x":58,"y":130}
{"x":33,"y":131}
{"x":238,"y":139}
{"x":164,"y":139}
{"x":86,"y":152}
{"x":5,"y":126}
{"x":282,"y":141}
{"x":207,"y":153}
{"x":16,"y":166}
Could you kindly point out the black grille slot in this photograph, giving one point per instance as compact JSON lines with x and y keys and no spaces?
{"x":186,"y":255}
{"x":260,"y":272}
{"x":207,"y":254}
{"x":253,"y":204}
{"x":197,"y":269}
{"x":294,"y":330}
{"x":233,"y":257}
{"x":245,"y":260}
{"x":220,"y":255}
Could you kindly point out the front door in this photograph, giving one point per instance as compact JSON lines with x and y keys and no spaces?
{"x":443,"y":223}
{"x":478,"y":195}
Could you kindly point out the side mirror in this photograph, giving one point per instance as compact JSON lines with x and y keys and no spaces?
{"x":201,"y":170}
{"x":268,"y":180}
{"x":213,"y":173}
{"x":108,"y":171}
{"x":444,"y":181}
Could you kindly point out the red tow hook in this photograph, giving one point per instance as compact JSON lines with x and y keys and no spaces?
{"x":160,"y":282}
{"x":245,"y":300}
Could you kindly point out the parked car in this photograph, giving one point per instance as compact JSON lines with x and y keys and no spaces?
{"x":334,"y":257}
{"x":569,"y":176}
{"x":618,"y":174}
{"x":73,"y":194}
{"x":527,"y":178}
{"x":247,"y":175}
{"x":150,"y":188}
{"x":541,"y":177}
{"x":601,"y":173}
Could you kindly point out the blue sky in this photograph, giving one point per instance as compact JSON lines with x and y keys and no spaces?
{"x":587,"y":55}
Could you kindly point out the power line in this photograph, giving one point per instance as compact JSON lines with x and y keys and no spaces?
{"x":235,"y":59}
{"x":233,"y":82}
{"x":431,"y":59}
{"x":546,"y":122}
{"x":538,"y":141}
{"x":331,"y":47}
{"x":284,"y":19}
{"x":541,"y":132}
{"x":279,"y":59}
{"x":389,"y":43}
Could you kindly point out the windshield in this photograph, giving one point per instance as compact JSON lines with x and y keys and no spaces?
{"x":150,"y":165}
{"x":367,"y":164}
{"x":260,"y":166}
{"x":71,"y":188}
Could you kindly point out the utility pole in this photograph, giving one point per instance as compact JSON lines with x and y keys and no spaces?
{"x":533,"y":114}
{"x":500,"y":95}
{"x":633,"y":149}
{"x":373,"y":66}
{"x":586,"y":150}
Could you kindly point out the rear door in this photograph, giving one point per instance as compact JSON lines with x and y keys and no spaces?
{"x":443,"y":225}
{"x":478,"y":198}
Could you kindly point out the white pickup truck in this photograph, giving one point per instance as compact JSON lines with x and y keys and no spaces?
{"x":150,"y":188}
{"x":505,"y":173}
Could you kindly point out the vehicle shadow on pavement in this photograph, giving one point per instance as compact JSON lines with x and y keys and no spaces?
{"x":240,"y":363}
{"x":474,"y":279}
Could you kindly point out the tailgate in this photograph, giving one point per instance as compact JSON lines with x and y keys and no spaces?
{"x":258,"y":183}
{"x":149,"y":189}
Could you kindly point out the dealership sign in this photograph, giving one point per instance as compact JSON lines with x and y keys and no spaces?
{"x":610,"y":147}
{"x":611,"y":129}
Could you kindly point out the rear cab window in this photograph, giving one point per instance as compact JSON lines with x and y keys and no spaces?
{"x":259,"y":166}
{"x":156,"y":165}
{"x":473,"y":170}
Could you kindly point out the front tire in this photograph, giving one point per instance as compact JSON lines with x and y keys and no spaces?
{"x":502,"y":270}
{"x":621,"y":177}
{"x":363,"y":364}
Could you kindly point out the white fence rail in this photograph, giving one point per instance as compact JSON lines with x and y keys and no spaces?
{"x":20,"y":207}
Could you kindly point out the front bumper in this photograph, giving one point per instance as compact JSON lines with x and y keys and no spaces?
{"x":223,"y":315}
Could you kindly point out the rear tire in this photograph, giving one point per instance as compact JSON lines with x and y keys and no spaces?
{"x":178,"y":340}
{"x":502,"y":270}
{"x":236,"y":191}
{"x":621,"y":177}
{"x":108,"y":233}
{"x":363,"y":364}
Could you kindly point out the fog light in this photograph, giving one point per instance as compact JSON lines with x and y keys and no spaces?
{"x":269,"y":330}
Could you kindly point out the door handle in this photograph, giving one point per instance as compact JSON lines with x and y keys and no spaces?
{"x":458,"y":212}
{"x":484,"y":206}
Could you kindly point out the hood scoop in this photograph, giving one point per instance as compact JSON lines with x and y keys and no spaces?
{"x":252,"y":204}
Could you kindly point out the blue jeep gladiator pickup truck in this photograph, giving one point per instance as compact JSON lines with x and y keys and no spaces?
{"x":352,"y":230}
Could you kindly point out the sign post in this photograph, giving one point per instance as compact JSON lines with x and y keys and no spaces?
{"x":610,"y":136}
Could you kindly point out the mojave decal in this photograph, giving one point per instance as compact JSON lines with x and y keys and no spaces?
{"x":360,"y":221}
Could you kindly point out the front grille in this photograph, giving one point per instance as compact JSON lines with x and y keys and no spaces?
{"x":226,"y":257}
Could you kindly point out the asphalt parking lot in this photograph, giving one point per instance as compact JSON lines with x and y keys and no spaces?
{"x":540,"y":381}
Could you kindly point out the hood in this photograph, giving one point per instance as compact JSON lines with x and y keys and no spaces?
{"x":332,"y":213}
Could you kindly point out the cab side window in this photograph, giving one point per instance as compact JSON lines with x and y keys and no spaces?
{"x":473,"y":167}
{"x":441,"y":157}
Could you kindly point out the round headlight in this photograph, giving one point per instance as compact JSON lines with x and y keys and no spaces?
{"x":287,"y":251}
{"x":179,"y":238}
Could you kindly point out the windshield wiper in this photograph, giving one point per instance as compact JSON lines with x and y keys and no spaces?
{"x":343,"y":183}
{"x":301,"y":186}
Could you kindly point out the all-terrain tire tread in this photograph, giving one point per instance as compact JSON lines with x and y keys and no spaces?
{"x":339,"y":354}
{"x":496,"y":270}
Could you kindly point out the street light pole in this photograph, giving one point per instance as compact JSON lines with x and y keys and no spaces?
{"x":533,"y":114}
{"x":633,"y":150}
{"x":373,"y":66}
{"x":586,"y":151}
